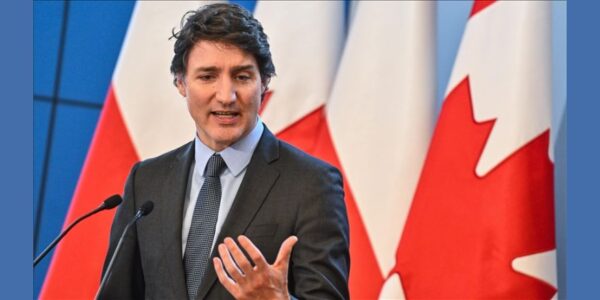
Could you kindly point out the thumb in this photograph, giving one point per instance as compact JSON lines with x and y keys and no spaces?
{"x":285,"y":251}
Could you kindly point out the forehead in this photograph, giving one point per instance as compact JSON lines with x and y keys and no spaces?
{"x":206,"y":54}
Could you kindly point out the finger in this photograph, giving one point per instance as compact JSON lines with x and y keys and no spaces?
{"x":225,"y":280}
{"x":238,"y":256}
{"x":253,"y":252}
{"x":285,"y":251}
{"x":230,"y":266}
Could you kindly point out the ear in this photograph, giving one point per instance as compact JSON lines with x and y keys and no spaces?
{"x":181,"y":85}
{"x":265,"y":85}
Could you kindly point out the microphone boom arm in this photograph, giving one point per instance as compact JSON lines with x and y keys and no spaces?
{"x":62,"y":234}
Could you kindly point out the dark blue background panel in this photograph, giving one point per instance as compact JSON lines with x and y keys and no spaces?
{"x":94,"y":37}
{"x":46,"y":37}
{"x":73,"y":133}
{"x":249,"y":5}
{"x":41,"y":118}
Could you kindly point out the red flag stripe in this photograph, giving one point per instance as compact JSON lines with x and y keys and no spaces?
{"x":480,"y":5}
{"x":312,"y":135}
{"x":77,"y":263}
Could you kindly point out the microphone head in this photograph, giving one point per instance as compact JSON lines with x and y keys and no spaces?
{"x":146,"y":208}
{"x":112,"y":202}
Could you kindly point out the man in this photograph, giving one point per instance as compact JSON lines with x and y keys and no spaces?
{"x":237,"y":212}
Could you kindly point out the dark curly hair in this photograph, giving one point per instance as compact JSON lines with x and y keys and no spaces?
{"x":224,"y":23}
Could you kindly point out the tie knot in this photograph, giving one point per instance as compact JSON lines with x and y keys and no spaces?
{"x":215,"y":166}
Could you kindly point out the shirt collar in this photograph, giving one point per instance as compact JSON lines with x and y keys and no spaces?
{"x":237,"y":156}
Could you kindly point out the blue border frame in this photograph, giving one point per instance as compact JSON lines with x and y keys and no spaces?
{"x":583,"y":213}
{"x":16,"y":123}
{"x":583,"y":149}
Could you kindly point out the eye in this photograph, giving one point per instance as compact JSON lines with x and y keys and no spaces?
{"x":206,"y":77}
{"x":243,"y":77}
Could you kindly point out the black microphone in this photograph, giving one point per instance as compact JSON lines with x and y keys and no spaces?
{"x":144,"y":210}
{"x":109,"y":203}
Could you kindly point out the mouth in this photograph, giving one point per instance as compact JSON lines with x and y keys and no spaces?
{"x":225,"y":117}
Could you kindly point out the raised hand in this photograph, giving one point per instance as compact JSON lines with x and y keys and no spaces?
{"x":261,"y":281}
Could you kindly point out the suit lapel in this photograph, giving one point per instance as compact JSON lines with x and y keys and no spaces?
{"x":258,"y":181}
{"x":176,"y":179}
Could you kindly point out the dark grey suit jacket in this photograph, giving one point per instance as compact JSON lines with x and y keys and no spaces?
{"x":284,"y":192}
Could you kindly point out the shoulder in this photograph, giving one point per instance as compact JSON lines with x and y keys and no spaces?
{"x":168,"y":159}
{"x":290,"y":160}
{"x":297,"y":160}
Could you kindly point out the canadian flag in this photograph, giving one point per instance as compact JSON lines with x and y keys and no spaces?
{"x":481,"y":223}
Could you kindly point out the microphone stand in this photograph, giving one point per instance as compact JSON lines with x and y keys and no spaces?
{"x":144,"y":210}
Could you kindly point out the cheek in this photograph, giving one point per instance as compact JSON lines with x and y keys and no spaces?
{"x":254,"y":100}
{"x":197,"y":108}
{"x":198,"y":99}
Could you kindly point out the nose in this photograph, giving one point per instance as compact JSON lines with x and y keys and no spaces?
{"x":226,"y":92}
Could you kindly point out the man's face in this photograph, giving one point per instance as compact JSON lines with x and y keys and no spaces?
{"x":223,"y":89}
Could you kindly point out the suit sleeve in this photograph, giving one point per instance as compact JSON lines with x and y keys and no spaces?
{"x":126,"y":280}
{"x":320,"y":262}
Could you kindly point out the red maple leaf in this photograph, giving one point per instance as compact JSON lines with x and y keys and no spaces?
{"x":463,"y":231}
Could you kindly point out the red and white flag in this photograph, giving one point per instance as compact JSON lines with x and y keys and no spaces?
{"x":306,"y":53}
{"x":366,"y":106}
{"x":377,"y":122}
{"x":143,"y":116}
{"x":482,"y":221}
{"x":381,"y":116}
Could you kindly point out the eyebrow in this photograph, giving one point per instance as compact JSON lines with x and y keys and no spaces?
{"x":234,"y":70}
{"x":242,"y":68}
{"x":205,"y":69}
